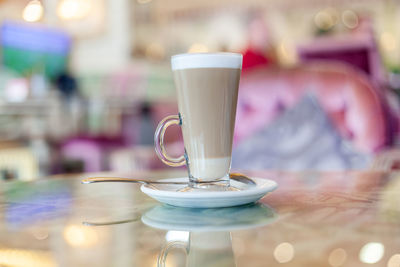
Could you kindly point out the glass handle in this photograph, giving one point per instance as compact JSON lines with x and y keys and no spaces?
{"x":164,"y":252}
{"x":159,"y":141}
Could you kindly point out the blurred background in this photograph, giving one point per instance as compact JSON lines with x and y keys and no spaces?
{"x":83,"y":83}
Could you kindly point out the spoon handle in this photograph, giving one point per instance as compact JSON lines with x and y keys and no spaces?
{"x":92,"y":180}
{"x":233,"y":176}
{"x":110,"y":223}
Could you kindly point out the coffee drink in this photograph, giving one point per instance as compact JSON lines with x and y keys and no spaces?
{"x":207,"y":90}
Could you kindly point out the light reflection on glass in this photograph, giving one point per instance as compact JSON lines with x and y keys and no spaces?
{"x":29,"y":204}
{"x":372,"y":252}
{"x":40,"y":234}
{"x":23,"y":258}
{"x":337,"y":257}
{"x":284,"y":252}
{"x":80,"y":236}
{"x":394,"y":261}
{"x":177,"y":236}
{"x":170,"y":262}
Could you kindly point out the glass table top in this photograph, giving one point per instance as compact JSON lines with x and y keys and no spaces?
{"x":312,"y":219}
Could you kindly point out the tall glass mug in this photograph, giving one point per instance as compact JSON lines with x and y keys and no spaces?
{"x":207,"y":90}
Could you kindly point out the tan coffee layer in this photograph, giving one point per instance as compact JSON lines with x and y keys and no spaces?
{"x":207,"y":99}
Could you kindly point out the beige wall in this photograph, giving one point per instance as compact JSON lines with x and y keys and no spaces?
{"x":109,"y":50}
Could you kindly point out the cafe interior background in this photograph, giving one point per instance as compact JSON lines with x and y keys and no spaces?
{"x":83,"y":83}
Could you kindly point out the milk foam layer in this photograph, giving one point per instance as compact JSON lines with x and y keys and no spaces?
{"x":209,"y":168}
{"x":206,"y":60}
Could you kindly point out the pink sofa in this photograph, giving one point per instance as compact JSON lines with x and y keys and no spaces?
{"x":354,"y":103}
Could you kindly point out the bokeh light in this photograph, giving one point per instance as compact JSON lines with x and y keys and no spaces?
{"x":33,"y":11}
{"x":324,"y":20}
{"x":350,"y":19}
{"x":394,"y":261}
{"x":387,"y":41}
{"x":284,"y":252}
{"x":372,"y":252}
{"x":155,"y":51}
{"x":337,"y":257}
{"x":74,"y":9}
{"x":198,"y":48}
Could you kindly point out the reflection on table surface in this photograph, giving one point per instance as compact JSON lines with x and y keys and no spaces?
{"x":312,"y":219}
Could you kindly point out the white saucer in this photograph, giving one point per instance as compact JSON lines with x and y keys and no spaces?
{"x":169,"y":194}
{"x":167,"y":217}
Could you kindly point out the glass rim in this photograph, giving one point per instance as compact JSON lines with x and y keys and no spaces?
{"x":206,"y":60}
{"x":227,"y":54}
